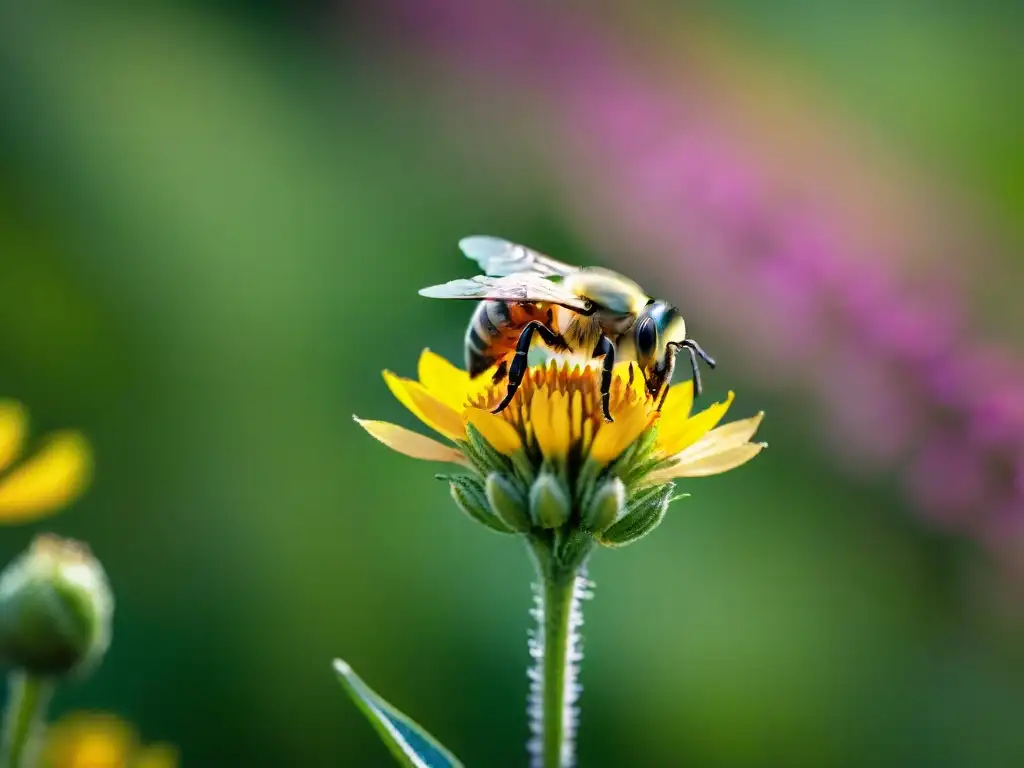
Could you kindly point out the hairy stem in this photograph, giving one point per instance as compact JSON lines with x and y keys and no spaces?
{"x":27,"y":699}
{"x":556,"y":650}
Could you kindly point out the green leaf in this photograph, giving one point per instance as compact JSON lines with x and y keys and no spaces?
{"x":408,"y":742}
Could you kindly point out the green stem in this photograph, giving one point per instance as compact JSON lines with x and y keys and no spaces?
{"x":557,"y":652}
{"x":28,"y":698}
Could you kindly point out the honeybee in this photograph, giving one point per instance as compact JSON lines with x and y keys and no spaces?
{"x":587,"y":311}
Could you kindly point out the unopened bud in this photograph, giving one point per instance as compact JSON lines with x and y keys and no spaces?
{"x":606,"y":506}
{"x":643,"y":514}
{"x":55,"y":609}
{"x":508,"y":502}
{"x":469,"y":494}
{"x":549,"y":502}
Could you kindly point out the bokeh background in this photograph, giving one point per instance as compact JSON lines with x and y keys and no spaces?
{"x":214,"y":218}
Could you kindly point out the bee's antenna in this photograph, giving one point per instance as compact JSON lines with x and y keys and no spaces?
{"x":694,"y":349}
{"x":703,"y":355}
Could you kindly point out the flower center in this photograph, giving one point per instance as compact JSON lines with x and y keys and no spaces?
{"x":558,"y":406}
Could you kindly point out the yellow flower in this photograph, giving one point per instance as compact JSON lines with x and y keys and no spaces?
{"x":101,"y":740}
{"x":554,"y":428}
{"x":52,"y":478}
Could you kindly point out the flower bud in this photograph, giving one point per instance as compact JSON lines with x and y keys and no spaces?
{"x":508,"y":502}
{"x":549,"y":502}
{"x":469,"y":494}
{"x":55,"y":609}
{"x":643,"y":514}
{"x":605,"y":507}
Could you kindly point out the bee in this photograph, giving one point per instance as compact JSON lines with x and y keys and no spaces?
{"x":587,"y":311}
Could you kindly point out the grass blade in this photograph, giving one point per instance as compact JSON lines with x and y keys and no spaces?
{"x":411,"y":745}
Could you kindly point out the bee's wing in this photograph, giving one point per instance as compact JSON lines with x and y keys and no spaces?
{"x":522,"y":287}
{"x":500,"y":258}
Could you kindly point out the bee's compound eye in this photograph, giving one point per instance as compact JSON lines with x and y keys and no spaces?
{"x":646,"y":338}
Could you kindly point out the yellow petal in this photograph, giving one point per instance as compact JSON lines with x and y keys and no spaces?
{"x":411,"y":443}
{"x":675,"y":413}
{"x":443,"y":380}
{"x":678,"y":402}
{"x":13,"y":426}
{"x":549,"y":415}
{"x":710,"y":464}
{"x":672,"y":439}
{"x":540,"y":419}
{"x":576,"y":416}
{"x":632,"y":378}
{"x":495,"y":430}
{"x":89,"y":738}
{"x":588,"y":435}
{"x":559,"y":415}
{"x":52,"y":478}
{"x":612,"y":439}
{"x":719,"y":439}
{"x":427,"y":408}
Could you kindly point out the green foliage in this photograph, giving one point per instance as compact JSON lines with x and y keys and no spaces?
{"x":408,"y":742}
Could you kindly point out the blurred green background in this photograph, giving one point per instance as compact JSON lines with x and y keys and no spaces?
{"x":214,"y":218}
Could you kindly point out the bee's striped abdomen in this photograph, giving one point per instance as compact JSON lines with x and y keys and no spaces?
{"x":494,"y":330}
{"x":489,"y":324}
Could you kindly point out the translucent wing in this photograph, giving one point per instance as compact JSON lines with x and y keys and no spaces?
{"x":500,"y":258}
{"x":525,"y":287}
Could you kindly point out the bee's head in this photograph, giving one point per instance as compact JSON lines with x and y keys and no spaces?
{"x":658,"y":335}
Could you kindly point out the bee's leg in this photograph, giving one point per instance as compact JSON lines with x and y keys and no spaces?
{"x":696,"y":372}
{"x":517,"y":370}
{"x":606,"y":348}
{"x":670,"y":366}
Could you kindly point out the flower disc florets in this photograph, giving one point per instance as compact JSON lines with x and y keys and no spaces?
{"x":549,"y":465}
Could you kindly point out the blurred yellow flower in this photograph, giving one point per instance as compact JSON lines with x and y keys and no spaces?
{"x":101,"y":740}
{"x":556,"y":415}
{"x":53,"y":477}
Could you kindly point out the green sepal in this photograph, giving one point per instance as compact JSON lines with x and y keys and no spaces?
{"x":586,"y":479}
{"x":524,"y":468}
{"x":407,"y":741}
{"x":485,"y":457}
{"x":643,"y":515}
{"x":469,"y":494}
{"x":549,"y":501}
{"x":605,"y":506}
{"x":651,"y":464}
{"x":508,"y":502}
{"x":638,"y":454}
